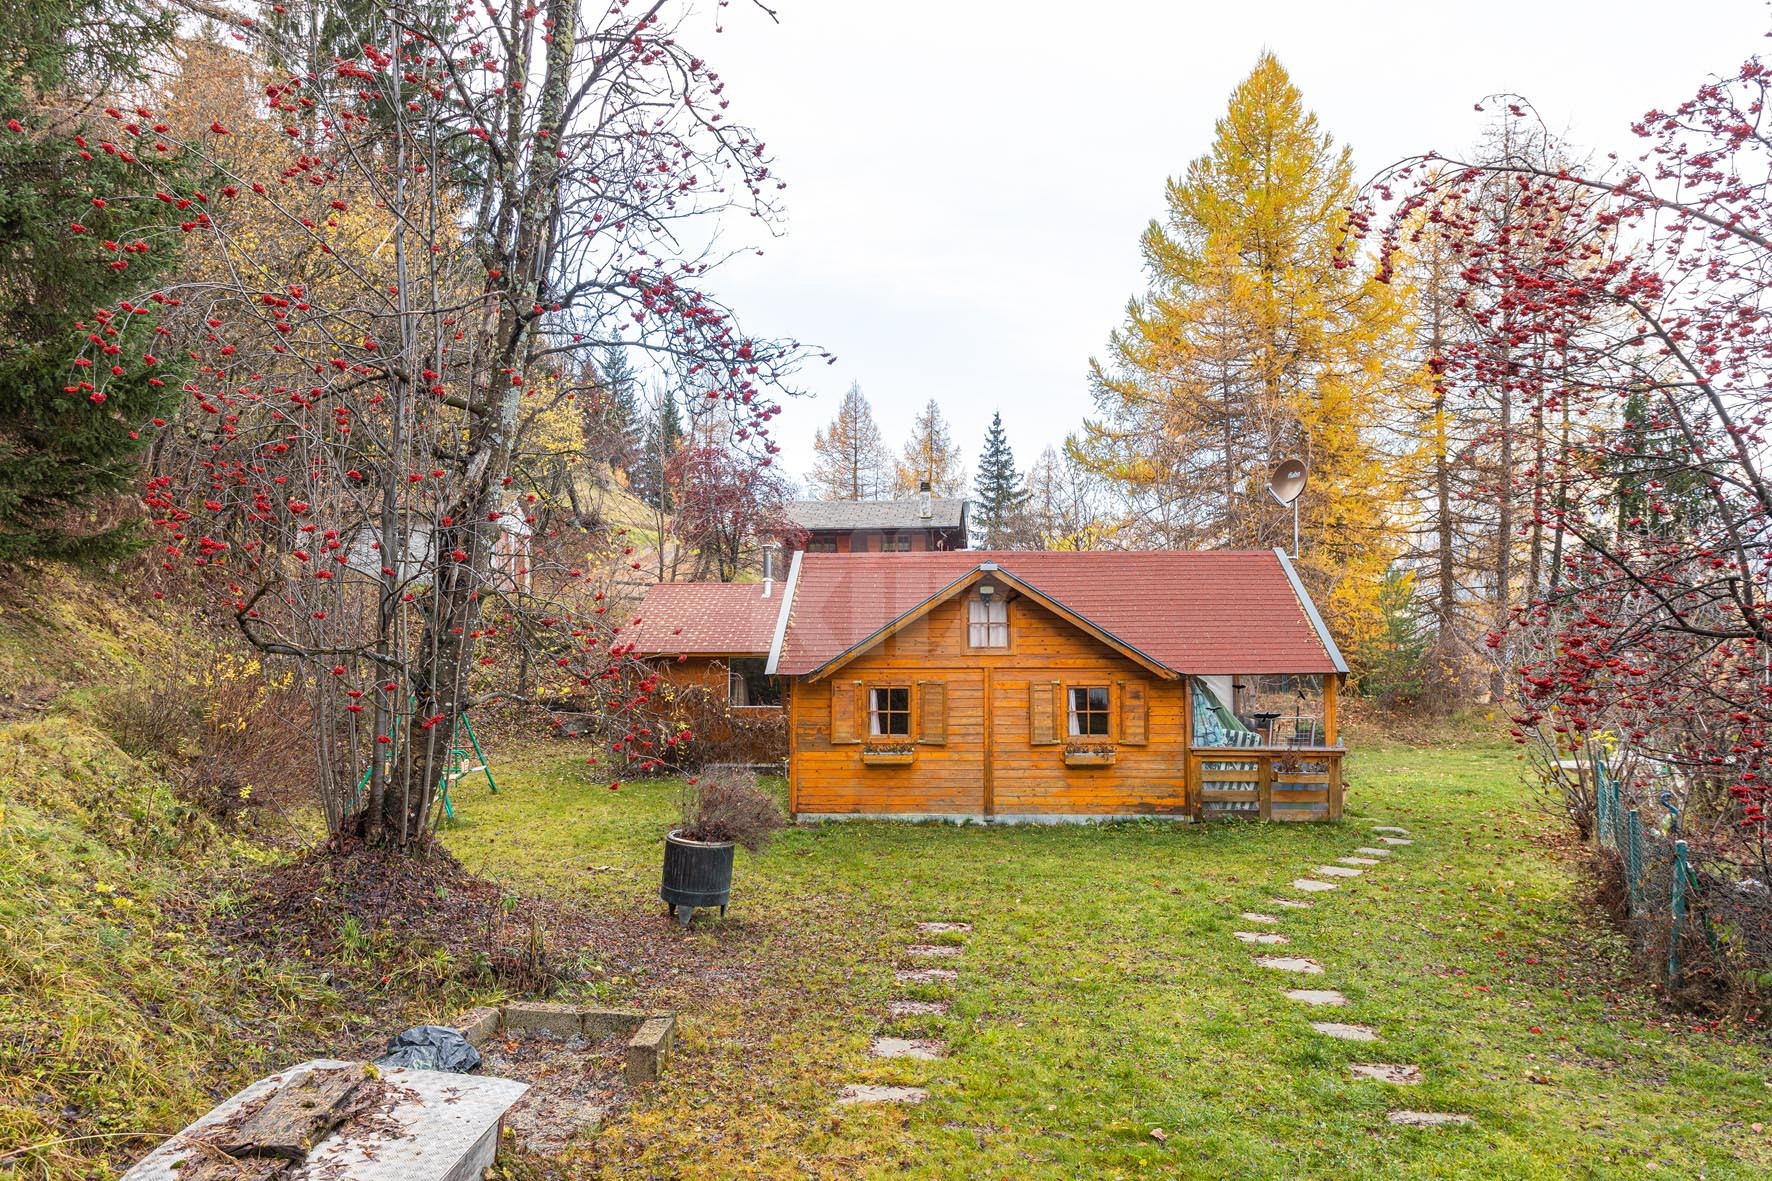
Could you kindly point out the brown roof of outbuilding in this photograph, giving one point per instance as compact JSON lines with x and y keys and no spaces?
{"x":707,"y":618}
{"x":1213,"y":611}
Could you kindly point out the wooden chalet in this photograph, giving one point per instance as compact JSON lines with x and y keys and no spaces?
{"x":1045,"y":686}
{"x":881,"y":526}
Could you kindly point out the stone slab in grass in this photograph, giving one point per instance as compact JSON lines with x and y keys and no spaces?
{"x":1387,"y":1072}
{"x":943,"y":928}
{"x":1259,"y":937}
{"x":1372,"y":852}
{"x":917,"y":1008}
{"x":1312,"y":885}
{"x":1290,"y":963}
{"x":1396,"y":840}
{"x":1255,"y":916}
{"x":870,"y":1093}
{"x":925,"y":975}
{"x":932,"y":951}
{"x":1316,"y":996}
{"x":1357,"y":860}
{"x":1430,"y":1119}
{"x":431,"y":1125}
{"x":1392,"y":829}
{"x":922,"y":1048}
{"x":1345,"y":1031}
{"x":1338,"y":871}
{"x":1290,"y":903}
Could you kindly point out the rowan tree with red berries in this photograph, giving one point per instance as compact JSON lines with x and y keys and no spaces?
{"x":472,"y":203}
{"x":1631,"y":300}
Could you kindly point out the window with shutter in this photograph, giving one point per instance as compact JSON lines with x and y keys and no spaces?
{"x":1043,"y":713}
{"x":932,"y":712}
{"x":1135,"y":727}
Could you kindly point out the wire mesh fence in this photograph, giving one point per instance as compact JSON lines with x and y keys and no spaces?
{"x":1659,"y":877}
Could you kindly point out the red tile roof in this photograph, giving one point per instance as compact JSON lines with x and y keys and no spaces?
{"x":707,"y":618}
{"x":1213,"y":611}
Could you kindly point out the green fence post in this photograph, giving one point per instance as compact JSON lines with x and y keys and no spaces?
{"x":1678,"y":908}
{"x":1602,"y":802}
{"x":1633,"y":862}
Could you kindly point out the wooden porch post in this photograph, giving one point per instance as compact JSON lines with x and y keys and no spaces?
{"x":1330,"y":684}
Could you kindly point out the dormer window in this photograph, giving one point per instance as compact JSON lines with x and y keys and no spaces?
{"x":987,"y":620}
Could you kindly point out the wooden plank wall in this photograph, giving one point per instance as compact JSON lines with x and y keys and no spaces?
{"x":990,"y":690}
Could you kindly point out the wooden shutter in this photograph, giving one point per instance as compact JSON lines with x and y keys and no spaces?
{"x":932,"y":712}
{"x":848,"y":711}
{"x":1135,"y":726}
{"x":1043,"y":712}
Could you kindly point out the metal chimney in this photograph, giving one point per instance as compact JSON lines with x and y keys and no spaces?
{"x":768,"y":570}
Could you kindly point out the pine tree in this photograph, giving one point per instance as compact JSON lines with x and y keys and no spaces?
{"x":67,"y":454}
{"x":930,"y":454}
{"x":613,"y":419}
{"x":998,"y":491}
{"x":1257,"y":340}
{"x":852,"y":461}
{"x":664,"y":438}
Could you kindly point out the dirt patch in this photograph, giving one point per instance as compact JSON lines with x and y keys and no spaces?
{"x":575,"y":1083}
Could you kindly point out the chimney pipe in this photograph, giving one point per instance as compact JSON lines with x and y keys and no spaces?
{"x":925,"y":501}
{"x":768,"y":570}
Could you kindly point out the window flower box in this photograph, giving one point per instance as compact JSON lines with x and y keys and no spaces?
{"x":1089,"y":756}
{"x":888,"y":756}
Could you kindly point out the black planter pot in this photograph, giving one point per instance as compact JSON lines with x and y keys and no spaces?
{"x":696,"y":873}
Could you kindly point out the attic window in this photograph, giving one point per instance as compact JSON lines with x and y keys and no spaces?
{"x":987,"y":622}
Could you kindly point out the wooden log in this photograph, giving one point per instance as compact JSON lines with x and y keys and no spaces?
{"x":296,"y":1117}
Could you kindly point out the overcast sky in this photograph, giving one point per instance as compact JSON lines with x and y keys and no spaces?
{"x":968,"y":179}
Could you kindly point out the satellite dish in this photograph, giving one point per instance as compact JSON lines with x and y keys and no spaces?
{"x":1287,"y":481}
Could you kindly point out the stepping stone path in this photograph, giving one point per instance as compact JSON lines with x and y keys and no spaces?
{"x":1290,"y":963}
{"x":866,"y":1093}
{"x":1347,"y":1033}
{"x":1430,"y":1119}
{"x":922,"y":1048}
{"x":1385,"y":1072}
{"x":925,"y":975}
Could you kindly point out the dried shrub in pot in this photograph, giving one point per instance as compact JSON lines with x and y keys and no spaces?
{"x":729,"y":807}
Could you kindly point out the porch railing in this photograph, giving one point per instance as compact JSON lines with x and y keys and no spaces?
{"x":1266,"y":782}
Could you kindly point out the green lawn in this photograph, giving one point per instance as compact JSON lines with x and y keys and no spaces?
{"x":1101,"y":995}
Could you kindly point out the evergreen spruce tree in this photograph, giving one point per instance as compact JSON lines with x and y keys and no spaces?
{"x":617,"y":416}
{"x":67,"y":455}
{"x":664,"y":435}
{"x":1000,"y":496}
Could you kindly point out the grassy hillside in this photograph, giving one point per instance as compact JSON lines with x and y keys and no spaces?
{"x":121,"y":1016}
